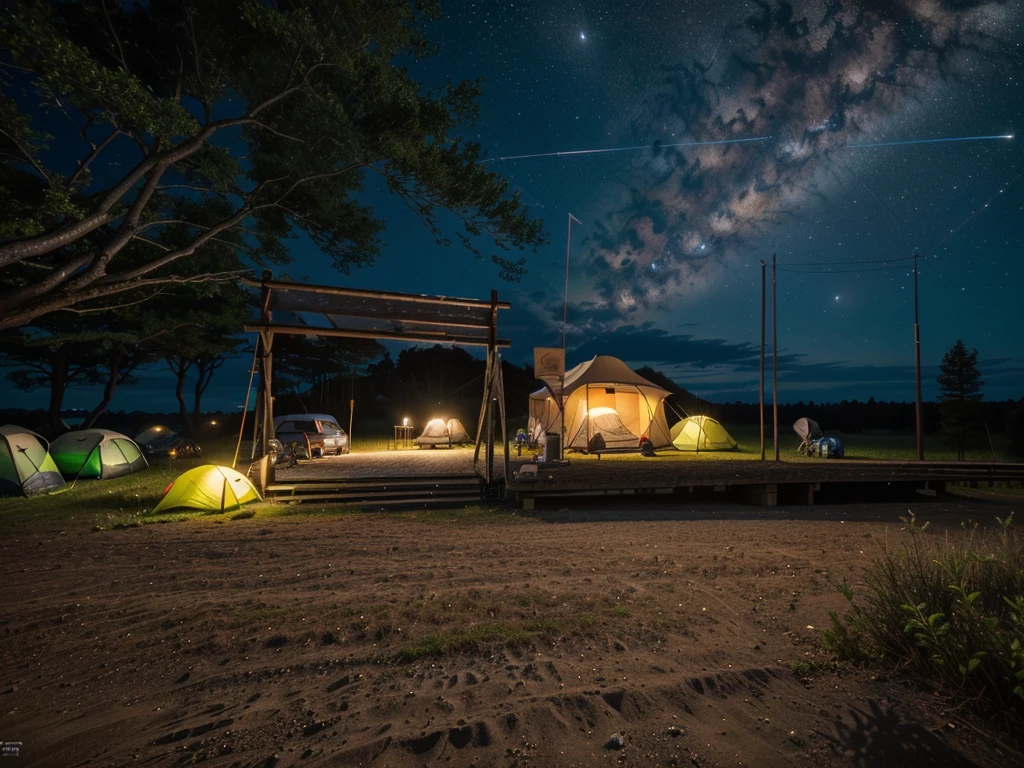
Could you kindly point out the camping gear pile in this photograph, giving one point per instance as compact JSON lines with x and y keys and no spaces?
{"x":813,"y":443}
{"x":441,"y":432}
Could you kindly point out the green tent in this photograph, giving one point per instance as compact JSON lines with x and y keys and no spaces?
{"x":701,"y":433}
{"x":25,"y":466}
{"x":98,"y":453}
{"x":209,"y":487}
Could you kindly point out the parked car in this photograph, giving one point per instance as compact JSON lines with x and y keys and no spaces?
{"x":322,"y":431}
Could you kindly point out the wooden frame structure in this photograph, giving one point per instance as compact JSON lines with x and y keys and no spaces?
{"x":361,"y":314}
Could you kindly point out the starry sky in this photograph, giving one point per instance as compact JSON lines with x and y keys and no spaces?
{"x":665,"y":269}
{"x":665,"y":264}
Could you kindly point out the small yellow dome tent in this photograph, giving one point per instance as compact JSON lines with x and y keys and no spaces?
{"x":701,"y":433}
{"x":209,"y":487}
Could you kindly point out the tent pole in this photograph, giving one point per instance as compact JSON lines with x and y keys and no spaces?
{"x":245,"y":408}
{"x":760,"y":391}
{"x":775,"y":363}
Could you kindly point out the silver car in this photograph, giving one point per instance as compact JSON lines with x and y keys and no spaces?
{"x":323,"y":431}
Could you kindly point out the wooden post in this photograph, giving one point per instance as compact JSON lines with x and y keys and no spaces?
{"x":351,"y":412}
{"x":265,"y":413}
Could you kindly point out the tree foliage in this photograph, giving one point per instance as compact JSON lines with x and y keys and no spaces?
{"x":960,"y":397}
{"x":135,"y":136}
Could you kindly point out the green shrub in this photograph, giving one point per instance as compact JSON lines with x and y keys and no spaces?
{"x":948,"y":612}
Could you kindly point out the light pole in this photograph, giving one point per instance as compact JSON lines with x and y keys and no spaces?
{"x":917,"y":370}
{"x":775,"y":363}
{"x":760,"y":396}
{"x":565,"y":311}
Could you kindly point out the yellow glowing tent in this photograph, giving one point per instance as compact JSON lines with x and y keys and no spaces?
{"x":209,"y":487}
{"x":701,"y":433}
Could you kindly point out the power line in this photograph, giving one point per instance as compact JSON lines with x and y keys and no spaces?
{"x":845,"y":263}
{"x":841,"y":271}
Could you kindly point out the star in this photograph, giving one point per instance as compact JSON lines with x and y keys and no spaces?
{"x":837,"y":298}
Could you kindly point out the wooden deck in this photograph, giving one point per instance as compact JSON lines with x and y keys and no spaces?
{"x":396,"y":478}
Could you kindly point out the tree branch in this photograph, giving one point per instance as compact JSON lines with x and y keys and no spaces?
{"x":27,"y":155}
{"x":113,"y":34}
{"x":96,"y":149}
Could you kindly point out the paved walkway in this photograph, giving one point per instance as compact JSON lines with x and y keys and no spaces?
{"x":432,"y":462}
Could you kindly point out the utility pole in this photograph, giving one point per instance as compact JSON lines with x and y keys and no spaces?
{"x":760,"y":391}
{"x":917,"y":369}
{"x":775,"y":362}
{"x":565,"y":312}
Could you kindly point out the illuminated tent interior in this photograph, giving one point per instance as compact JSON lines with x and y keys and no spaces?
{"x":607,"y":405}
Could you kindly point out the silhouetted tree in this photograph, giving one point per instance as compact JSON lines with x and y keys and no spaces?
{"x":1015,"y":430}
{"x":960,"y":397}
{"x":182,"y":123}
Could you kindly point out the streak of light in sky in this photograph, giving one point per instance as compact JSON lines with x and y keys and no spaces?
{"x":626,"y":149}
{"x":928,"y":141}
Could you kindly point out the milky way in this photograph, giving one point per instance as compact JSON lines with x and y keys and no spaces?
{"x":818,"y":78}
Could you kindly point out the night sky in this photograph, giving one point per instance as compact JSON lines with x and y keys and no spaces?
{"x":665,"y":267}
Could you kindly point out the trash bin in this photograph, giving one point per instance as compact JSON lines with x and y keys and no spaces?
{"x":552,"y":443}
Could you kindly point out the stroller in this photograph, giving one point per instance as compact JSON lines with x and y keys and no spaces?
{"x":809,"y":433}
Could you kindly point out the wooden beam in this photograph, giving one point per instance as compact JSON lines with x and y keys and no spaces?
{"x":330,"y":290}
{"x":437,"y":337}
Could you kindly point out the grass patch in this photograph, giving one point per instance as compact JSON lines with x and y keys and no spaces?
{"x":498,"y":634}
{"x":948,"y":612}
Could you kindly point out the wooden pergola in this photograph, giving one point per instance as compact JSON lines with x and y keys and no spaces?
{"x":361,"y":314}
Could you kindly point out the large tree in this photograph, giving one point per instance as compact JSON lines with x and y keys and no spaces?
{"x":960,"y":398}
{"x":131,"y":136}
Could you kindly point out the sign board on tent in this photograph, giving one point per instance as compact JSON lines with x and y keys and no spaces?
{"x":548,"y":361}
{"x":549,"y":366}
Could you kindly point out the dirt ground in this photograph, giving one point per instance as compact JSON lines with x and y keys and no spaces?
{"x":675,"y":636}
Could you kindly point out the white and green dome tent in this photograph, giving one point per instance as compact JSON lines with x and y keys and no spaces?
{"x":701,"y":433}
{"x":25,"y":466}
{"x":98,"y":453}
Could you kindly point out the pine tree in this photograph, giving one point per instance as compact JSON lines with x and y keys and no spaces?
{"x":960,"y":398}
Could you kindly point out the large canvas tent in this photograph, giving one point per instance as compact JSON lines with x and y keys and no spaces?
{"x":701,"y":433}
{"x":208,"y":487}
{"x":98,"y":453}
{"x":25,"y":465}
{"x":607,"y":406}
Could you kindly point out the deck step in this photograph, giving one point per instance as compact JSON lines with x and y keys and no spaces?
{"x":381,"y":492}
